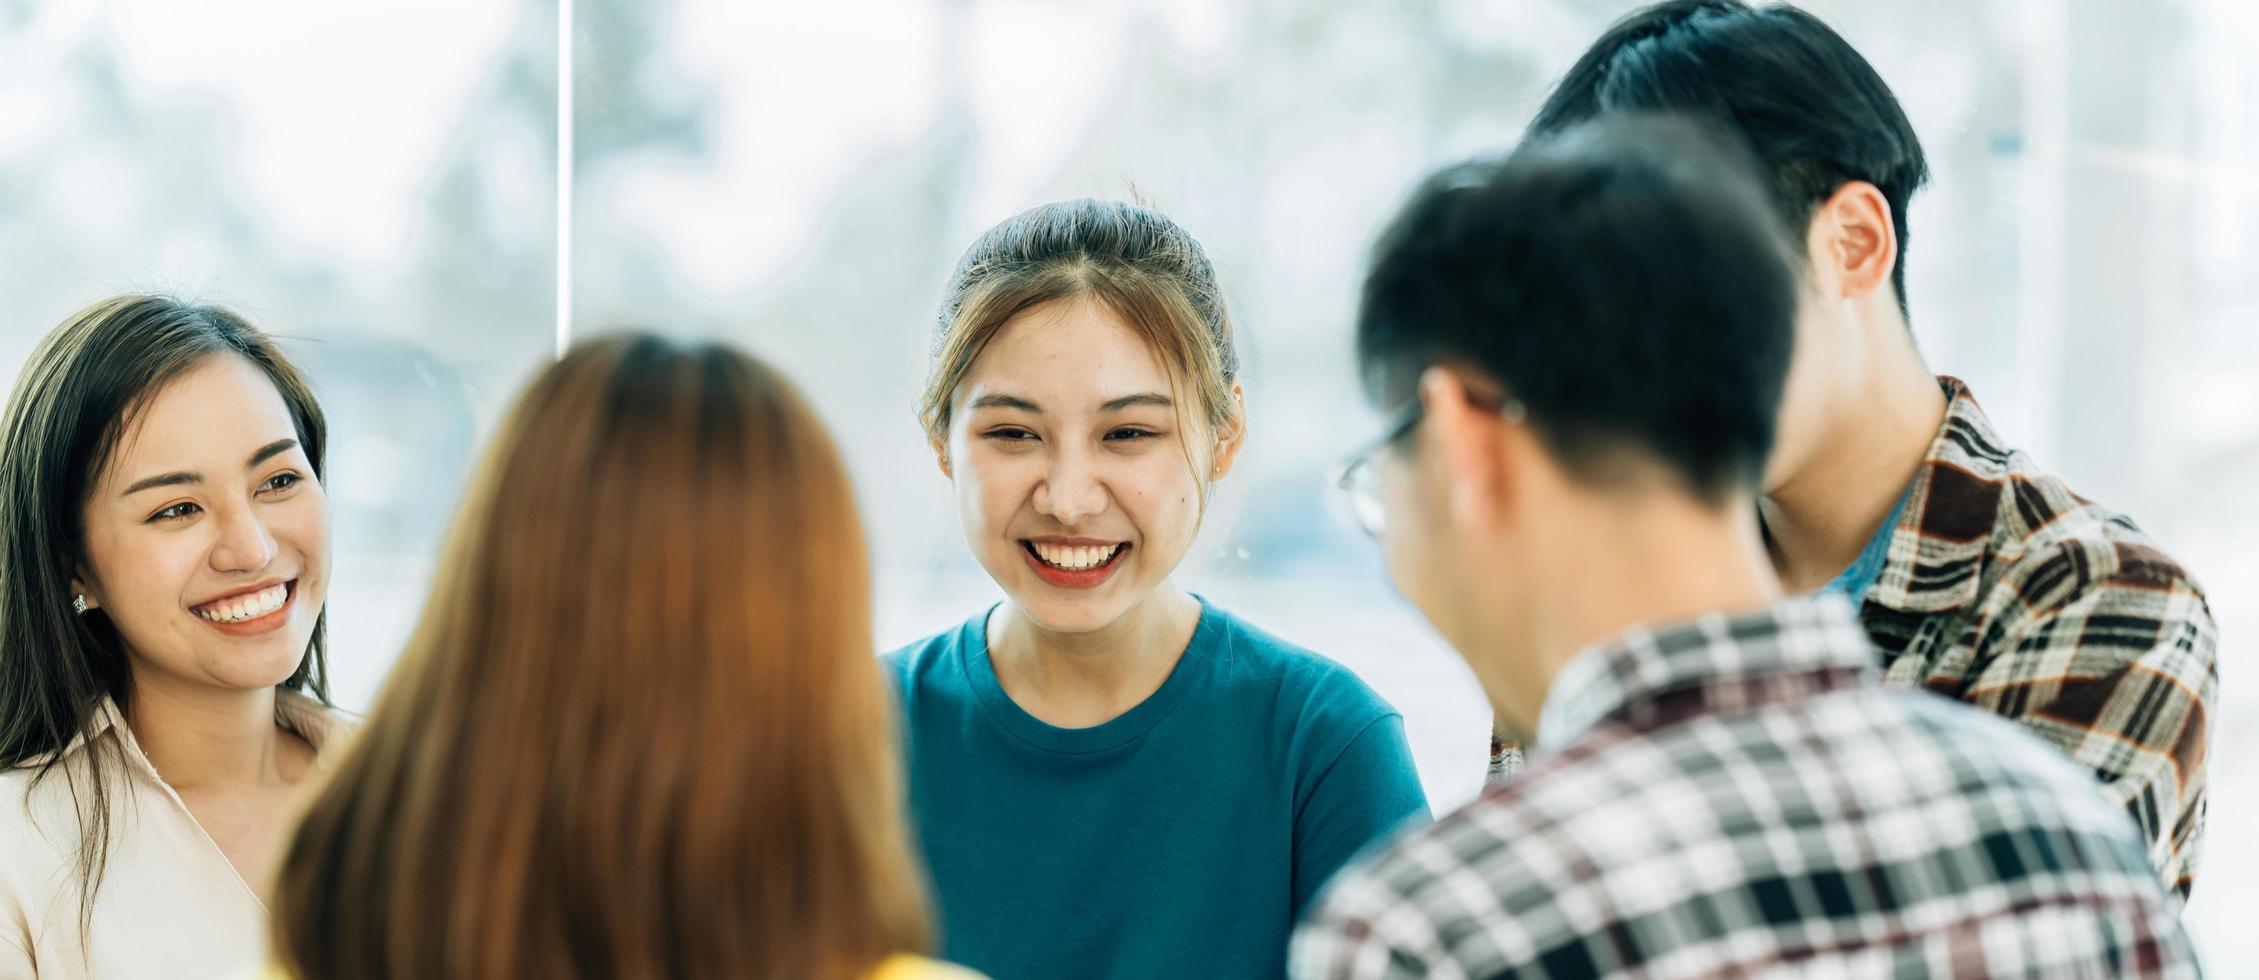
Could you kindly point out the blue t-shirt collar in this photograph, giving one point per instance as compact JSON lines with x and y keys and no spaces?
{"x":1853,"y":582}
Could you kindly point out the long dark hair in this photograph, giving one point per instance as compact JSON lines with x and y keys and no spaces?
{"x":77,"y":394}
{"x":639,"y":730}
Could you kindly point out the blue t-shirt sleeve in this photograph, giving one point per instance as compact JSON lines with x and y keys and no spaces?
{"x":1370,"y":791}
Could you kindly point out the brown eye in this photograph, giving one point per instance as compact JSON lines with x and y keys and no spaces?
{"x":179,"y":511}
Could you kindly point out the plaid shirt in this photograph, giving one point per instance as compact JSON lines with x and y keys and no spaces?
{"x":1743,"y":795}
{"x":2005,"y":590}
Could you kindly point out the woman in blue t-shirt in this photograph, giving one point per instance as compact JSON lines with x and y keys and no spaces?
{"x":1112,"y":777}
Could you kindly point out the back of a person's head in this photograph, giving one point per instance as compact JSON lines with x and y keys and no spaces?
{"x":1813,"y":111}
{"x":639,"y":730}
{"x":1623,"y":281}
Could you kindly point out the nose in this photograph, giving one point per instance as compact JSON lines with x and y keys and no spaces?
{"x":1071,"y":491}
{"x":244,"y":544}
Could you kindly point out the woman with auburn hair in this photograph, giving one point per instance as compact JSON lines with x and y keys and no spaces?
{"x":164,"y":560}
{"x":639,"y":730}
{"x":1113,"y":777}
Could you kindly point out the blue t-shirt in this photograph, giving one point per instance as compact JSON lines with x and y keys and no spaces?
{"x":1181,"y":839}
{"x":1854,"y":581}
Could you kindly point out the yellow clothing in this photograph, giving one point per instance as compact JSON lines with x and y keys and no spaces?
{"x":895,"y":968}
{"x":920,"y":968}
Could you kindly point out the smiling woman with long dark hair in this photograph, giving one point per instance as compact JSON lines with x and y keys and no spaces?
{"x":164,"y":557}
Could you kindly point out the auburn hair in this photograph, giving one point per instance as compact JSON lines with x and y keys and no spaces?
{"x":640,"y":730}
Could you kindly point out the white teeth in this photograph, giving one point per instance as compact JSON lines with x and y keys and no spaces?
{"x":246,"y":607}
{"x":1074,"y":559}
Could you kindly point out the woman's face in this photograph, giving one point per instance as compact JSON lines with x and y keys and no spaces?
{"x":1069,"y":461}
{"x":207,"y":537}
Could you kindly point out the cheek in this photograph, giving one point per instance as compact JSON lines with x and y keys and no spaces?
{"x":1160,"y":496}
{"x":144,"y":567}
{"x":990,"y":489}
{"x":303,"y":523}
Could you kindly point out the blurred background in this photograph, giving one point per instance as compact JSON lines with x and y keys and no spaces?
{"x":378,"y":183}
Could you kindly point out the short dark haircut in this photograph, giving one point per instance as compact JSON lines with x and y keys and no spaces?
{"x":1814,"y":113}
{"x":1624,"y":281}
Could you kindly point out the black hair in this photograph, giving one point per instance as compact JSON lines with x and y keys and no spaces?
{"x":1623,"y":281}
{"x":1813,"y":112}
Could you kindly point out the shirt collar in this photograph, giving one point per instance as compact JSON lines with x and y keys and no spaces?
{"x":1943,"y":533}
{"x":1641,"y":664}
{"x":1854,"y":581}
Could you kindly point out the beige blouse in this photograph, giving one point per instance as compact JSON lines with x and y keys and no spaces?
{"x":170,"y":904}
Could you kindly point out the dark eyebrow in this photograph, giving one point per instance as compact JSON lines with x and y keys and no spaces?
{"x":165,"y":480}
{"x":1127,"y":401}
{"x":266,"y":452}
{"x":270,"y":451}
{"x":1006,"y":401}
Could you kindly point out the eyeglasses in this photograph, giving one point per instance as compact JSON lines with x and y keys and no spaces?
{"x":1358,"y":477}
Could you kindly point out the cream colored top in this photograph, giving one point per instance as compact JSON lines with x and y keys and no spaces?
{"x":170,"y":904}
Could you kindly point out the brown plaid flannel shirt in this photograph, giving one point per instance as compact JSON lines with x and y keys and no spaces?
{"x":2005,"y":590}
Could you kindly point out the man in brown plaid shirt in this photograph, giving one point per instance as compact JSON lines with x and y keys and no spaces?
{"x":1979,"y":576}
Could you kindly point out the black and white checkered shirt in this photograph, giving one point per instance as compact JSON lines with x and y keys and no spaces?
{"x":1741,"y":795}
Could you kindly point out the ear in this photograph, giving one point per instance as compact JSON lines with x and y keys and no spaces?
{"x":1471,"y":447}
{"x":941,"y":456}
{"x":1231,"y":438}
{"x":1851,"y":241}
{"x":79,"y":588}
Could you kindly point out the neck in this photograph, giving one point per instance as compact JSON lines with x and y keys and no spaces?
{"x":1098,"y":673}
{"x":1820,"y":516}
{"x":1612,"y":565}
{"x":208,"y":739}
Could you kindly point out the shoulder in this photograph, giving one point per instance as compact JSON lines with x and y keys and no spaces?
{"x":2059,"y":545}
{"x":1430,"y":889}
{"x":40,"y":822}
{"x":1304,"y":679}
{"x":17,"y":801}
{"x":1315,"y":709}
{"x":34,"y":794}
{"x":1935,"y":734}
{"x":919,"y":655}
{"x":326,"y":727}
{"x":908,"y":665}
{"x":2049,"y":545}
{"x":2099,"y":580}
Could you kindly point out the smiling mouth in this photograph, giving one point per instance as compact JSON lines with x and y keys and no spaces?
{"x":1074,"y":558}
{"x":250,"y":607}
{"x":1074,"y":566}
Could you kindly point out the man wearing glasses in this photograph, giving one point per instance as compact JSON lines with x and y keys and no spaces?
{"x":1586,"y":346}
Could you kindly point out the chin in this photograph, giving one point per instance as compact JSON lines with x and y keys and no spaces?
{"x":265,"y":667}
{"x":1065,"y":614}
